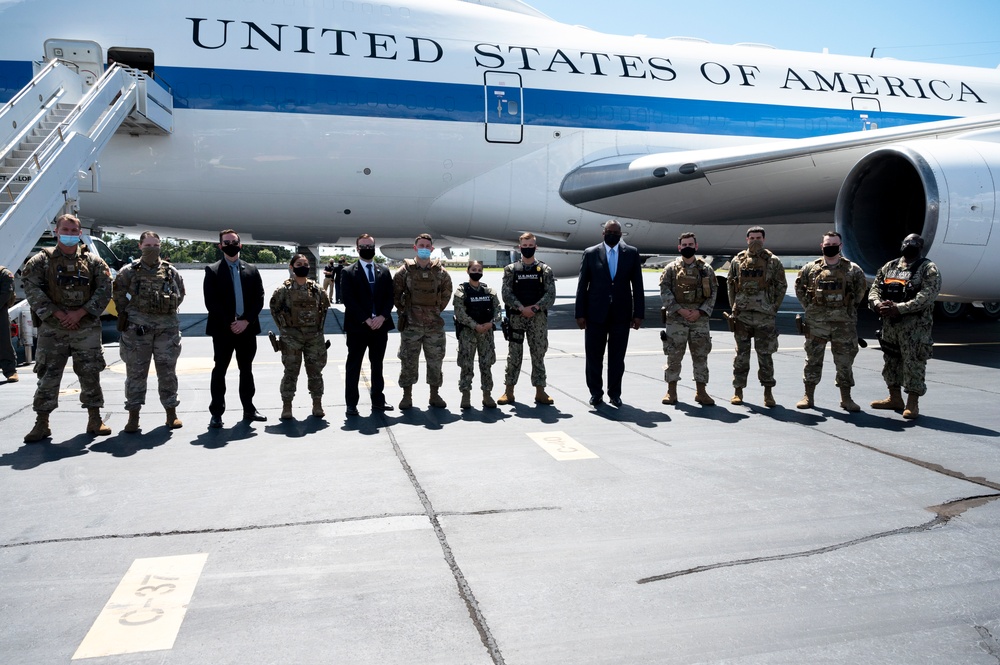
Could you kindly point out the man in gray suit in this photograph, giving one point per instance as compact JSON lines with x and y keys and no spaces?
{"x":609,"y":301}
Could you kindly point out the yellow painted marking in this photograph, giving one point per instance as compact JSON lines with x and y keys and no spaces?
{"x":146,"y":610}
{"x":561,"y":446}
{"x":70,"y":391}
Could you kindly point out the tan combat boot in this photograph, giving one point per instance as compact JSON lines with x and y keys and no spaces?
{"x":769,"y":398}
{"x":702,"y":397}
{"x":95,"y":425}
{"x":132,"y":426}
{"x":508,"y":396}
{"x":318,"y":411}
{"x":846,"y":403}
{"x":807,"y":401}
{"x":737,"y":397}
{"x":173,"y":422}
{"x":436,"y":400}
{"x":671,"y":396}
{"x":286,"y":411}
{"x":466,"y":399}
{"x":894,"y":401}
{"x":912,"y":410}
{"x":488,"y":400}
{"x":541,"y":397}
{"x":40,"y":430}
{"x":407,"y":401}
{"x":13,"y":378}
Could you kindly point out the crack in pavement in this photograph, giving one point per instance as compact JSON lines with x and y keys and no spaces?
{"x":260,"y":527}
{"x":989,"y":643}
{"x":945,"y":513}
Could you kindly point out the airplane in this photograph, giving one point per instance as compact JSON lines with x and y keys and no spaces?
{"x":312,"y":121}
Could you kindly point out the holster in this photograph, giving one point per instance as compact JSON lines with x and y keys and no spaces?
{"x":122,"y":324}
{"x":730,"y":321}
{"x":402,"y":322}
{"x":275,"y":342}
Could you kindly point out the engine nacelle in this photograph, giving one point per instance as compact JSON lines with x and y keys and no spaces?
{"x":945,"y":190}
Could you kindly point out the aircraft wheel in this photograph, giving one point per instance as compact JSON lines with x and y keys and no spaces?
{"x":990,"y":311}
{"x":950,"y":311}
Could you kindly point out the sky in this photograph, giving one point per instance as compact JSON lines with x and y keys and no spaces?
{"x":955,"y":32}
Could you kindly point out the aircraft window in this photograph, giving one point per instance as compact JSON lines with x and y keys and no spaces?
{"x":513,"y":108}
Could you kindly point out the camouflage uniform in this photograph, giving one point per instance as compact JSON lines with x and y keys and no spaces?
{"x":906,"y":340}
{"x":687,"y":286}
{"x":756,"y":286}
{"x":147,"y":298}
{"x":300,"y":314}
{"x":830,"y":296}
{"x":420,"y":295}
{"x":484,"y":306}
{"x":536,"y":285}
{"x":8,"y":359}
{"x":55,"y":281}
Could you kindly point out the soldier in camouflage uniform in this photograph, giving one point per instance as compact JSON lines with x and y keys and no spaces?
{"x":421,"y":291}
{"x":529,"y":289}
{"x":903,"y":295}
{"x":688,"y":289}
{"x":147,"y":293}
{"x":477,"y":314}
{"x":8,"y":359}
{"x":299,"y":308}
{"x":68,"y":289}
{"x":830,"y":290}
{"x":756,"y":286}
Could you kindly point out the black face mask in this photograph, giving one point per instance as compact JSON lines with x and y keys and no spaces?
{"x":688,"y":252}
{"x":527,"y":252}
{"x":475,"y":276}
{"x":367,"y":253}
{"x":301,"y":271}
{"x":611,"y":239}
{"x":831,"y":251}
{"x":231,"y":250}
{"x":911,"y":252}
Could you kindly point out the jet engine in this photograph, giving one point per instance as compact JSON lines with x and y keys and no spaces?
{"x":945,"y":190}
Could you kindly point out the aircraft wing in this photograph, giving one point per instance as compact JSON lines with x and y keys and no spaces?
{"x":777,"y":182}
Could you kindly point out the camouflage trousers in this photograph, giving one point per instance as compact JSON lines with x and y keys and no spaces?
{"x":55,"y":347}
{"x":469,"y":344}
{"x":536,"y":334}
{"x":758,"y":328}
{"x":678,"y":336}
{"x":297,"y":346}
{"x":843,"y":338}
{"x":163,"y":347}
{"x":906,"y":347}
{"x":411,"y":341}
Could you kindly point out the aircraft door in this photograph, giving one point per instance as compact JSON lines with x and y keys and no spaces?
{"x":504,"y":108}
{"x":86,"y":55}
{"x":869,"y":110}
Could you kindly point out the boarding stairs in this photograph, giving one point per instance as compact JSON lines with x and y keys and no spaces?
{"x":51,"y":137}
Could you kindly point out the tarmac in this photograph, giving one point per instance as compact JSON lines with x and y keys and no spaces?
{"x":524,"y":534}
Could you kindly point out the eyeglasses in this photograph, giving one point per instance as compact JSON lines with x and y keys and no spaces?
{"x":366,"y":246}
{"x":230,"y":243}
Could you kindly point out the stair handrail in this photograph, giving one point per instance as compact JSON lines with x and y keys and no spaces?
{"x":28,"y":122}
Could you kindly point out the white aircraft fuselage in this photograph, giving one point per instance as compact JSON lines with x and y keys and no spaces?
{"x":312,"y":121}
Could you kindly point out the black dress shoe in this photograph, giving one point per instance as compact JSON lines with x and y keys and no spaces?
{"x":596,"y":400}
{"x":382,"y":407}
{"x":352,"y":411}
{"x":254,"y":416}
{"x":215,"y":422}
{"x":615,"y":401}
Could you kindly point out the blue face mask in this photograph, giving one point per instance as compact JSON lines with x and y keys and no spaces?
{"x":424,"y":254}
{"x":69,"y":241}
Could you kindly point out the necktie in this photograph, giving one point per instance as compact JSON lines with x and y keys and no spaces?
{"x":237,"y":287}
{"x":613,"y":261}
{"x":371,"y":285}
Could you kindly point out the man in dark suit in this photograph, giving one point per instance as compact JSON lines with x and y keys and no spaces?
{"x":234,"y":297}
{"x":609,"y":300}
{"x":366,"y":288}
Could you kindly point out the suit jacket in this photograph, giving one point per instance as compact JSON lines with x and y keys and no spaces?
{"x":600,"y":298}
{"x":356,"y":295}
{"x":220,"y":298}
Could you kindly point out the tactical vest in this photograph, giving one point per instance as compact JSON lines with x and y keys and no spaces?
{"x":752,"y":275}
{"x":478,"y":304}
{"x":830,"y":285}
{"x":70,"y":280}
{"x":303,"y":305}
{"x":423,"y":284}
{"x":901,"y":284}
{"x":528,"y":287}
{"x":155,"y":292}
{"x":691,"y":288}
